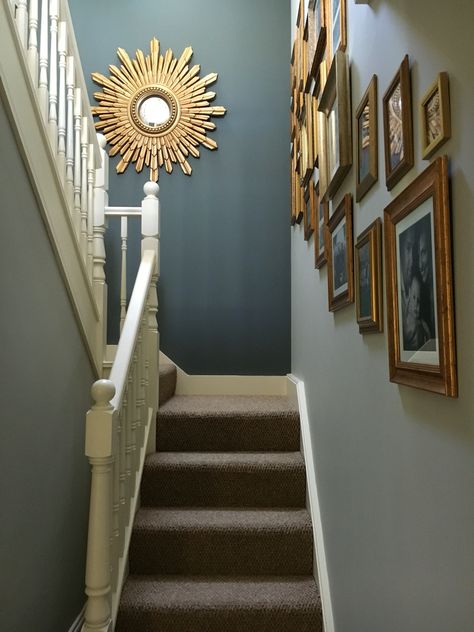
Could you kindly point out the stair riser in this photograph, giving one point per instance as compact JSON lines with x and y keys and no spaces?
{"x":212,"y":553}
{"x":167,"y":385}
{"x":218,"y":434}
{"x":211,"y":487}
{"x":235,"y":620}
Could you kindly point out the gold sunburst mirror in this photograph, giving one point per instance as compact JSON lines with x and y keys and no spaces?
{"x":154,"y":110}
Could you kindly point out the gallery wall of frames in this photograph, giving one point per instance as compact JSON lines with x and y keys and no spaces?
{"x":407,"y":250}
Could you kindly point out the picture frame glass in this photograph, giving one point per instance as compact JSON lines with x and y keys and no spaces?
{"x":339,"y":259}
{"x":433,"y":118}
{"x":321,"y":225}
{"x":365,"y":281}
{"x":395,"y":126}
{"x":416,"y":286}
{"x":336,"y":24}
{"x":333,"y":139}
{"x":364,"y":143}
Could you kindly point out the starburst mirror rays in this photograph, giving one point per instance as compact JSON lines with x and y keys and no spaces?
{"x":154,"y":110}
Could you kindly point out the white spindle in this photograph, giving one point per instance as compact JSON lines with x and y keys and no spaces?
{"x":62,"y":49}
{"x":77,"y":160}
{"x":53,"y":74}
{"x":90,"y":210}
{"x":43,"y":60}
{"x":99,"y":444}
{"x":129,"y":487}
{"x":33,"y":40}
{"x":101,"y":186}
{"x":70,"y":131}
{"x":22,"y":20}
{"x":123,"y":277}
{"x":84,"y":196}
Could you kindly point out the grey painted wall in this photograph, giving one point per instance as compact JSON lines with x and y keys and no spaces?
{"x":45,"y":380}
{"x":395,"y":465}
{"x":225,"y":259}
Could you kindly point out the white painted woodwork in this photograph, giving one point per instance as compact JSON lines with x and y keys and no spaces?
{"x":44,"y":59}
{"x":77,"y":160}
{"x":123,"y":275}
{"x":296,"y":392}
{"x":22,"y":20}
{"x":28,"y":111}
{"x":62,"y":50}
{"x":101,"y":187}
{"x":84,"y":196}
{"x":90,"y":210}
{"x":70,"y":74}
{"x":53,"y":74}
{"x":122,"y":211}
{"x":33,"y":40}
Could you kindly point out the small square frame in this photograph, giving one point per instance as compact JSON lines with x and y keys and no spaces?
{"x":430,"y":145}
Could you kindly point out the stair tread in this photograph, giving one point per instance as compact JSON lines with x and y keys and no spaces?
{"x":222,"y":519}
{"x":227,"y":405}
{"x":200,"y":592}
{"x":227,"y":460}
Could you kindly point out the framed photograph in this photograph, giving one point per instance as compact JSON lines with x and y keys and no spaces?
{"x":309,"y":215}
{"x":320,"y":236}
{"x":340,"y":256}
{"x":316,"y":36}
{"x":307,"y":142}
{"x":368,"y":279}
{"x":367,"y":146}
{"x":435,"y":116}
{"x":335,"y":103}
{"x":336,"y":24}
{"x":398,"y":126}
{"x":419,"y":282}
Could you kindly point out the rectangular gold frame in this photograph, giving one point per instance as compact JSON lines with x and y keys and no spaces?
{"x":316,"y":41}
{"x":441,"y":378}
{"x":321,"y":257}
{"x":368,"y":100}
{"x":344,"y":210}
{"x":309,"y":220}
{"x":402,"y":77}
{"x":441,"y":85}
{"x":337,"y":87}
{"x":372,"y":236}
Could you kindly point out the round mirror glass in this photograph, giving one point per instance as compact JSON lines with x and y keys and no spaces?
{"x":154,"y":111}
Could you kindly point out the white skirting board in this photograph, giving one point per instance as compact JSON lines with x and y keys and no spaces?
{"x":296,"y":391}
{"x":227,"y":384}
{"x":78,"y":622}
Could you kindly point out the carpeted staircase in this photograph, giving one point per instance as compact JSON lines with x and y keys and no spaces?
{"x":222,"y":542}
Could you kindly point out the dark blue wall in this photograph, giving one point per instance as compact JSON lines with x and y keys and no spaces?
{"x":225,"y":258}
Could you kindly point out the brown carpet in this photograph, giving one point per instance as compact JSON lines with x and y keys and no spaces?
{"x":223,"y":542}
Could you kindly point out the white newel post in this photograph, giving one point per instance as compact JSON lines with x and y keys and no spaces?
{"x":151,"y":241}
{"x":101,"y":187}
{"x":100,"y":428}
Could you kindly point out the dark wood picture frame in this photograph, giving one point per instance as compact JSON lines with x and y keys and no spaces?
{"x":309,"y":214}
{"x":398,"y":126}
{"x":368,"y":279}
{"x":419,"y":284}
{"x":432,"y":137}
{"x":340,"y":263}
{"x":336,"y":105}
{"x":320,"y":233}
{"x":367,"y":142}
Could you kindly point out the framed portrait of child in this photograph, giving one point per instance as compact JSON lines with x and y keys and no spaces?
{"x":419,"y":282}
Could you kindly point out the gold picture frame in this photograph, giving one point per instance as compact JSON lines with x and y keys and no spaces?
{"x":367,"y":142}
{"x":368,"y":279}
{"x":309,"y":214}
{"x":340,"y":256}
{"x":398,"y":126}
{"x":419,"y":284}
{"x":335,"y":103}
{"x":316,"y":36}
{"x":320,"y":233}
{"x":435,"y":116}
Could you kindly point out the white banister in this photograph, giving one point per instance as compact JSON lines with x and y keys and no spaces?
{"x":123,"y":277}
{"x":101,"y":187}
{"x":53,"y":74}
{"x":62,"y":51}
{"x":123,"y":211}
{"x":77,"y":160}
{"x":84,"y":198}
{"x":90,"y":210}
{"x":22,"y":20}
{"x":70,"y":132}
{"x":33,"y":40}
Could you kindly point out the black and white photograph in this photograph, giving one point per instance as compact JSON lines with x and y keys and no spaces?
{"x":417,"y":286}
{"x":340,"y":256}
{"x":363,"y":263}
